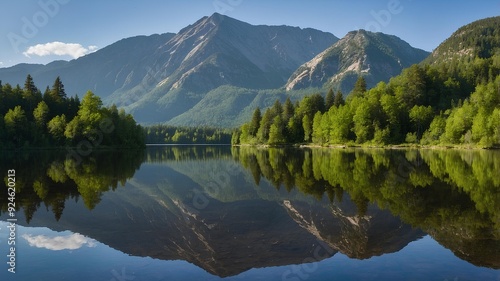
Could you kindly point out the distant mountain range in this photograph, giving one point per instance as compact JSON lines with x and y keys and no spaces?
{"x":218,"y":70}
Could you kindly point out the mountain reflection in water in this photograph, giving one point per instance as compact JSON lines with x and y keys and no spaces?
{"x":228,"y":210}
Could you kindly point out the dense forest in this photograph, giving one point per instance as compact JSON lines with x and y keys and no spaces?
{"x":29,"y":118}
{"x":167,"y":134}
{"x":453,"y":98}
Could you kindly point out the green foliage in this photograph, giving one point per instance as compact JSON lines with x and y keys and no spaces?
{"x":41,"y":113}
{"x":341,"y":121}
{"x":421,"y":117}
{"x":168,"y":134}
{"x":465,"y":89}
{"x":339,"y":99}
{"x":265,"y":126}
{"x":276,"y":132}
{"x":255,"y":123}
{"x":307,"y":126}
{"x":436,"y":129}
{"x":57,"y":120}
{"x":359,"y":87}
{"x":317,"y":133}
{"x":329,"y":99}
{"x":363,"y":122}
{"x":16,"y":125}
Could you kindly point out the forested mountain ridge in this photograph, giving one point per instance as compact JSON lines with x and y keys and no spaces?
{"x":446,"y":101}
{"x":376,"y":56}
{"x":480,"y":39}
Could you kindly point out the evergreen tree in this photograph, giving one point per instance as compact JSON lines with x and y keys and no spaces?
{"x":57,"y":92}
{"x":265,"y":126}
{"x":329,"y":99}
{"x":288,"y":110}
{"x":31,"y":94}
{"x":359,"y":87}
{"x":339,"y":99}
{"x":277,"y":109}
{"x":255,"y":123}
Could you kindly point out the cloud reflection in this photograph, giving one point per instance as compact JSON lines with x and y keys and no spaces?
{"x":57,"y":243}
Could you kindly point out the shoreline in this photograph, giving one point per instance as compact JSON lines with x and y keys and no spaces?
{"x":386,"y":147}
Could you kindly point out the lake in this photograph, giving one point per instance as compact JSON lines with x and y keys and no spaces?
{"x":242,"y":213}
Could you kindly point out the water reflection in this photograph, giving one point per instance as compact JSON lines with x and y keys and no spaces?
{"x":52,"y":178}
{"x":452,"y":195}
{"x":228,"y":210}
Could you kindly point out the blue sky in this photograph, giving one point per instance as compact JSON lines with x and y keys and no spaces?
{"x":40,"y":31}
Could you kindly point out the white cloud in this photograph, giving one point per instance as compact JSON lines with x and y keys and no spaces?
{"x":1,"y":63}
{"x":71,"y":242}
{"x":59,"y":49}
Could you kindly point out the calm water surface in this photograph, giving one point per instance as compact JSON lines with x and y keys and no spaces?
{"x":213,"y":213}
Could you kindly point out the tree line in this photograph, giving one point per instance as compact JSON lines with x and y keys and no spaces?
{"x":442,"y":104}
{"x":29,"y":118}
{"x":168,"y":134}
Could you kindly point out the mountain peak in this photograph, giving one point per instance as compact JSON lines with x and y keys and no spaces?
{"x":376,"y":56}
{"x":218,"y":17}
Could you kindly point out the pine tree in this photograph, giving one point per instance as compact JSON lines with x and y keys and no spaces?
{"x":277,"y":108}
{"x":255,"y":123}
{"x":360,"y":87}
{"x":57,"y":92}
{"x":339,"y":99}
{"x":30,"y":94}
{"x":288,"y":110}
{"x":330,"y":99}
{"x":29,"y":86}
{"x":265,"y":126}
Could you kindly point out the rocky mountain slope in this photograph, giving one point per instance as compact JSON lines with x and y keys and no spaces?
{"x":376,"y":56}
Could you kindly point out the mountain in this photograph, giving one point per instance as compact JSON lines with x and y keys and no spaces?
{"x":478,"y":39}
{"x":376,"y":56}
{"x":161,"y":76}
{"x":217,"y":51}
{"x":359,"y":237}
{"x":118,"y":66}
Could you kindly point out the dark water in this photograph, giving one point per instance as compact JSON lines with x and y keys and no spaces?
{"x":211,"y":213}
